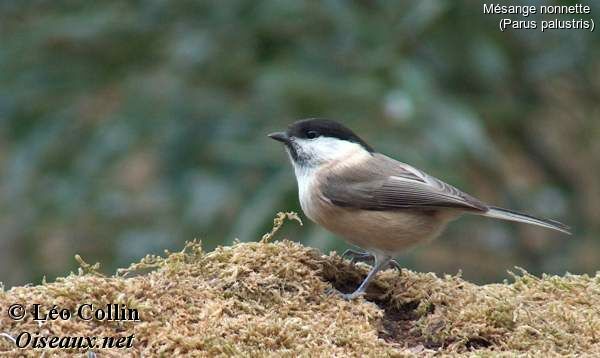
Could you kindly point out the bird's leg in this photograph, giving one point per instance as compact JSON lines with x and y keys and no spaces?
{"x":380,"y":261}
{"x":358,"y":256}
{"x":395,"y":265}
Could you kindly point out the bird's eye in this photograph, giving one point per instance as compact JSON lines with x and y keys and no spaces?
{"x":312,"y":134}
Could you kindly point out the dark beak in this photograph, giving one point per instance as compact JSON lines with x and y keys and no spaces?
{"x":280,"y":137}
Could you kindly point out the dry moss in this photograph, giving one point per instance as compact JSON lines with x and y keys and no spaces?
{"x":257,"y":299}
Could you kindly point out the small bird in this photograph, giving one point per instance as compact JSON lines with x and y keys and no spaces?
{"x":371,"y":200}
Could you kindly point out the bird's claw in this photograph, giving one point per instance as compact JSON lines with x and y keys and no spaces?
{"x":330,"y":291}
{"x":351,"y":296}
{"x":395,"y":265}
{"x":357,"y":256}
{"x":347,"y":296}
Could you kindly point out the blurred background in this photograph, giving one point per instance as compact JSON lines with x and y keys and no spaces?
{"x":127,"y":128}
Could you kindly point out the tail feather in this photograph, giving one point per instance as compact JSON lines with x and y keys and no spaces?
{"x":510,"y":215}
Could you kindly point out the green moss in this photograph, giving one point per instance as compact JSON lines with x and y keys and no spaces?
{"x":263,"y":298}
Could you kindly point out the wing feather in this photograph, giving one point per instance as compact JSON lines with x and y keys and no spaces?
{"x":382,"y":183}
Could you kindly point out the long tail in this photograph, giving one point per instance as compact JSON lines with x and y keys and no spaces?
{"x":510,"y":215}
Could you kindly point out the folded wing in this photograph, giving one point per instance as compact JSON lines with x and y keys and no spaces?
{"x":383,"y":183}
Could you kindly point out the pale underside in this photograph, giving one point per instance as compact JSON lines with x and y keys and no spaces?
{"x":379,"y":204}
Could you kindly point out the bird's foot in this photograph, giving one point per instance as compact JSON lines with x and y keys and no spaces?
{"x":358,"y":256}
{"x":351,"y":296}
{"x":347,"y":296}
{"x":395,"y":265}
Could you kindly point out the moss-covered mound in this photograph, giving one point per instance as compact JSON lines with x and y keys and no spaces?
{"x":256,"y":299}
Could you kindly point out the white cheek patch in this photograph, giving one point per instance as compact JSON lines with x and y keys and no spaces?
{"x":325,"y":149}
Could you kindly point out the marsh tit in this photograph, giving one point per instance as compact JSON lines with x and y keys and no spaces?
{"x":371,"y":200}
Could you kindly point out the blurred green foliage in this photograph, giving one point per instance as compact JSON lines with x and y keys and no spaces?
{"x":129,"y":127}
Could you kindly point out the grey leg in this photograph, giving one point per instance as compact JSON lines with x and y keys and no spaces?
{"x":395,"y":265}
{"x":357,"y":256}
{"x":380,"y":261}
